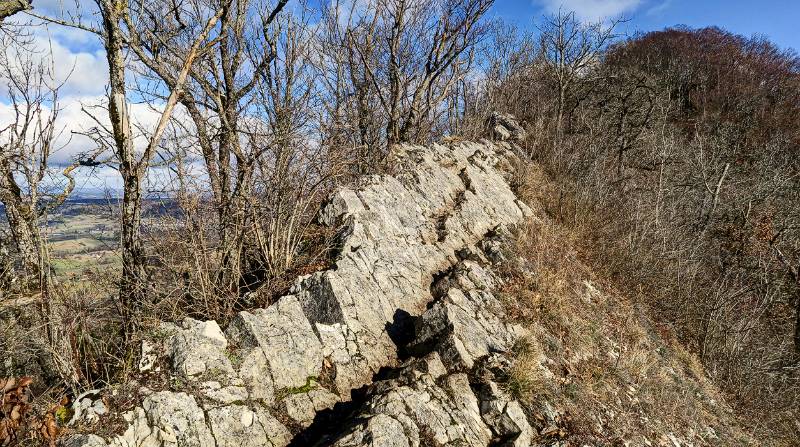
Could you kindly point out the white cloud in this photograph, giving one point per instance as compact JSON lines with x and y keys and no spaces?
{"x":76,"y":59}
{"x":659,"y":8}
{"x":592,"y":10}
{"x":75,"y":56}
{"x":84,"y":73}
{"x":73,"y":122}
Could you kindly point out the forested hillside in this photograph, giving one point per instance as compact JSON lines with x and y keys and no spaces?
{"x":676,"y":157}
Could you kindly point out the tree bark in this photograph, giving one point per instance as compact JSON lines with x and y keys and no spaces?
{"x":22,"y":222}
{"x":133,"y":168}
{"x":133,"y":279}
{"x":25,"y":237}
{"x":11,"y":7}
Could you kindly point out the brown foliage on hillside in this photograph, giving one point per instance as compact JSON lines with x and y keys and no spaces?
{"x":676,"y":159}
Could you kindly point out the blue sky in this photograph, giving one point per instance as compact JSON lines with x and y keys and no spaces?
{"x":78,"y":57}
{"x":779,"y":20}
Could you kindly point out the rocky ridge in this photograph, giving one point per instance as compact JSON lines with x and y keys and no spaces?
{"x":401,"y":343}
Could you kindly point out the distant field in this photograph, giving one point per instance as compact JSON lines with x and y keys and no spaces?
{"x":83,"y":239}
{"x":77,"y":264}
{"x":82,"y":224}
{"x":84,"y":235}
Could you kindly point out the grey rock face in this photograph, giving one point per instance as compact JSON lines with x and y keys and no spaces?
{"x":272,"y":371}
{"x":177,"y":419}
{"x":401,"y":231}
{"x":165,"y":419}
{"x":85,"y":441}
{"x":285,"y":337}
{"x":505,"y":127}
{"x":426,"y":413}
{"x":449,"y":396}
{"x":197,"y":350}
{"x":302,"y":407}
{"x":87,"y":406}
{"x":505,"y":416}
{"x":240,"y":426}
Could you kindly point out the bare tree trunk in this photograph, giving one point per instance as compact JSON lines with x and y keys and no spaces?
{"x":134,"y":275}
{"x":11,"y":7}
{"x":562,"y":99}
{"x":26,"y":238}
{"x":131,"y":167}
{"x":393,"y":132}
{"x":133,"y":268}
{"x":21,"y":220}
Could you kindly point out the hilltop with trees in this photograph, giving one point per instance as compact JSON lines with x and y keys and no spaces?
{"x":668,"y":161}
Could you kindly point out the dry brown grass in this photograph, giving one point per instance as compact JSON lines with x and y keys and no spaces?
{"x":612,"y":375}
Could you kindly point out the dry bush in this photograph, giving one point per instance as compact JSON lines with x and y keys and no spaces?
{"x":614,"y":377}
{"x":77,"y":343}
{"x":187,"y":262}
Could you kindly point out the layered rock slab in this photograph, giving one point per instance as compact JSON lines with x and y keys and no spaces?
{"x":333,"y":333}
{"x":400,"y":232}
{"x":452,"y":394}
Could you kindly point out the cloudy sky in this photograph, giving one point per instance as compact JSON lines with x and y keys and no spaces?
{"x":777,"y":19}
{"x":77,"y":56}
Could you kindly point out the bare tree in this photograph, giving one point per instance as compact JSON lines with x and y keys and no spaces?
{"x":282,"y":173}
{"x":118,"y":29}
{"x":570,"y":47}
{"x":792,"y":267}
{"x":402,"y":57}
{"x":428,"y":76}
{"x":132,"y":166}
{"x":31,"y":187}
{"x":294,"y":171}
{"x":217,"y":94}
{"x":27,"y":187}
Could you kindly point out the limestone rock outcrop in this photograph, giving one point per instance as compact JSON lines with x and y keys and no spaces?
{"x":405,"y":320}
{"x":504,"y":127}
{"x":449,"y":395}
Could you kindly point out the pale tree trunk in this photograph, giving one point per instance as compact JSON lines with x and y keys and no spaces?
{"x":134,"y":274}
{"x":133,"y":266}
{"x":133,"y":167}
{"x":229,"y":205}
{"x":26,"y":238}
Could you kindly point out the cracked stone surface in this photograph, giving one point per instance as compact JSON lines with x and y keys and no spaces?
{"x":197,"y":349}
{"x":427,"y":413}
{"x":272,"y":371}
{"x":282,"y":333}
{"x":448,"y":396}
{"x":303,"y":407}
{"x":240,"y":426}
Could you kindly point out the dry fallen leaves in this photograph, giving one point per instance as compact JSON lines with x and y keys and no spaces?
{"x":15,"y":407}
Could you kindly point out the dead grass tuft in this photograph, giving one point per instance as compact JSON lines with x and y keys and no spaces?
{"x":594,"y":355}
